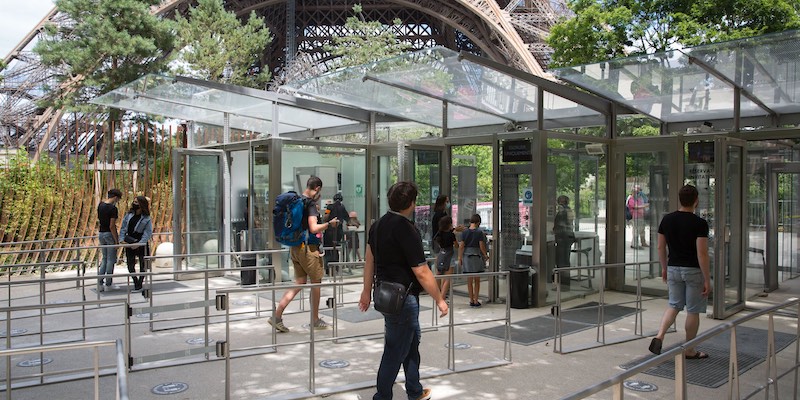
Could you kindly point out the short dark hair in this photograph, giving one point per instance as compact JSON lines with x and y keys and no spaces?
{"x":401,"y":195}
{"x":475,"y":219}
{"x":314,"y":182}
{"x":445,"y":223}
{"x":114,"y":193}
{"x":688,"y":195}
{"x":338,"y":197}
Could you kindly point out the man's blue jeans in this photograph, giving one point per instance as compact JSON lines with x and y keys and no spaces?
{"x":401,"y":347}
{"x":108,"y":257}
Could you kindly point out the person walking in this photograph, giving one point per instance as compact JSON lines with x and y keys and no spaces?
{"x":306,"y":258}
{"x":683,"y":254}
{"x":446,"y":239}
{"x":137,"y":229}
{"x":637,"y":205}
{"x":473,"y":247}
{"x":107,"y":236}
{"x":564,"y":233}
{"x":400,"y":258}
{"x":333,"y":236}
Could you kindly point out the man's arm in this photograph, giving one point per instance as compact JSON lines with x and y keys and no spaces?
{"x":428,"y":282}
{"x":112,"y":224}
{"x":315,"y":227}
{"x":703,"y":259}
{"x":662,"y":255}
{"x":369,"y":272}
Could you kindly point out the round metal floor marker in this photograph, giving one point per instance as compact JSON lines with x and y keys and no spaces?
{"x":242,"y":303}
{"x":170,"y":388}
{"x":334,"y":364}
{"x":34,"y":362}
{"x":639,"y":386}
{"x":14,"y":332}
{"x":199,"y":341}
{"x":459,"y":346}
{"x":146,"y":315}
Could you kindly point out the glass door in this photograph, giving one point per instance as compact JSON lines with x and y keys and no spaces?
{"x":783,"y":231}
{"x":644,"y":200}
{"x":425,"y":169}
{"x":728,"y":239}
{"x":199,"y":204}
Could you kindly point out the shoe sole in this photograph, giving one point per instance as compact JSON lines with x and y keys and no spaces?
{"x":277,"y":328}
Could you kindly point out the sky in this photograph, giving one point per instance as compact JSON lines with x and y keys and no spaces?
{"x":17,"y":18}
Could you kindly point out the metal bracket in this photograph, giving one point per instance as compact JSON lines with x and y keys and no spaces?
{"x":222,"y":302}
{"x":222,"y":348}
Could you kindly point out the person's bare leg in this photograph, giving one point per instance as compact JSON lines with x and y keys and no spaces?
{"x":286,"y":299}
{"x":692,"y":326}
{"x":314,"y":302}
{"x":666,"y":321}
{"x":477,"y":283}
{"x":446,"y":283}
{"x":469,"y":290}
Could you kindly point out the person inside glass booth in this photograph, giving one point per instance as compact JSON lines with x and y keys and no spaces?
{"x":564,"y":232}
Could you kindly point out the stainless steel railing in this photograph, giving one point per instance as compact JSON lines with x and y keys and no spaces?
{"x":615,"y":383}
{"x":224,"y":347}
{"x":121,"y":369}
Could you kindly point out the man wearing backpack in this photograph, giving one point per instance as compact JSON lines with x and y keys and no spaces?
{"x":306,"y":258}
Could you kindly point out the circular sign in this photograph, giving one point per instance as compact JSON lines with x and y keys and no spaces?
{"x":459,"y":346}
{"x":170,"y":388}
{"x":333,"y":364}
{"x":34,"y":362}
{"x":639,"y":386}
{"x":14,"y":332}
{"x":199,"y":341}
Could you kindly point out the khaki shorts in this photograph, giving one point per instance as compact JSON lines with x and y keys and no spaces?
{"x":307,"y":262}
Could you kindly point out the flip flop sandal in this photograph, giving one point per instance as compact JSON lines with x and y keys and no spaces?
{"x":697,"y":356}
{"x":655,"y":346}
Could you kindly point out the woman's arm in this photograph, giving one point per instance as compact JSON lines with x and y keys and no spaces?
{"x":148,"y":231}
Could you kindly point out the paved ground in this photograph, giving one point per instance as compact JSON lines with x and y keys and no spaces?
{"x":536,"y":372}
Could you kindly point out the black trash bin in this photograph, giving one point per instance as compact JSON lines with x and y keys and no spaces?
{"x":519,"y":279}
{"x":248,"y":276}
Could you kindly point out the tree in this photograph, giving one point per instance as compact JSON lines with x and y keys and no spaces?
{"x":607,"y":29}
{"x":107,"y":44}
{"x":365,"y":41}
{"x":216,"y":46}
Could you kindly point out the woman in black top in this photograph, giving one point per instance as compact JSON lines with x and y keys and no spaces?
{"x":445,"y":238}
{"x":439,"y":211}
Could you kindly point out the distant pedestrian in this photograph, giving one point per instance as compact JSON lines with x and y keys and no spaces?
{"x":107,"y":215}
{"x":472,"y":256}
{"x":137,"y":229}
{"x":446,"y":238}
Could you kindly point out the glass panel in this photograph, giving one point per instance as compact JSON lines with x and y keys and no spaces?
{"x":516,"y":203}
{"x":575,"y":233}
{"x":788,"y":230}
{"x":646,"y":202}
{"x":426,"y":166}
{"x":342,"y":170}
{"x":699,"y":171}
{"x":260,"y":212}
{"x":733,"y":229}
{"x":472,"y":177}
{"x":203,"y":213}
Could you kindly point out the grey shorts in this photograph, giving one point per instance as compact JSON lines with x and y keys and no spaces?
{"x":686,"y":289}
{"x":444,"y":260}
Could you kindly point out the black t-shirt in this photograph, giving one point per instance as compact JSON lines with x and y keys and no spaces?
{"x":105,"y":212}
{"x":310,"y":211}
{"x":681,"y":230}
{"x":335,"y":234}
{"x":446,"y":239}
{"x":399,"y":248}
{"x":437,"y":215}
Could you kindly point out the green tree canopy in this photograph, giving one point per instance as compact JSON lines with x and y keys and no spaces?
{"x":607,"y":29}
{"x":365,"y":41}
{"x":106,"y":44}
{"x":213,"y":40}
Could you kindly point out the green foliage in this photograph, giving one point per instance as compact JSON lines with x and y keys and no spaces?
{"x":366,"y":41}
{"x":213,"y":39}
{"x":107,"y":44}
{"x":607,"y":29}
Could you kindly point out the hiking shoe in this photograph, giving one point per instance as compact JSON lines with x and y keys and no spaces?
{"x":278,"y":324}
{"x":426,"y":395}
{"x":321,"y":324}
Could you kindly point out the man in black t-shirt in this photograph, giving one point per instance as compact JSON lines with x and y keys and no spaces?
{"x":107,"y":215}
{"x":686,"y":270}
{"x":399,"y":257}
